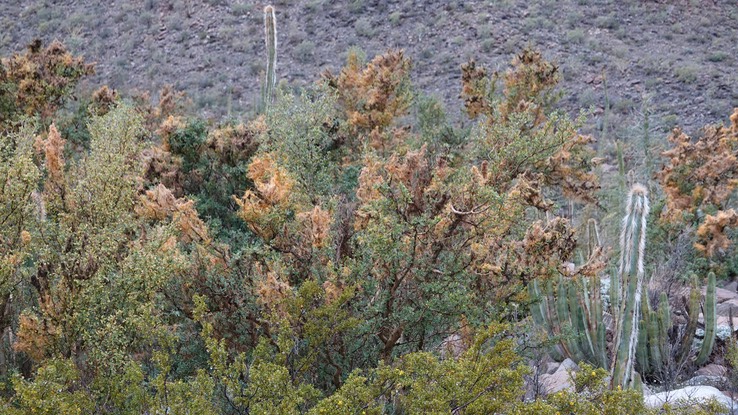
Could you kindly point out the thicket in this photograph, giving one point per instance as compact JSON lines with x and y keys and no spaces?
{"x":348,"y":251}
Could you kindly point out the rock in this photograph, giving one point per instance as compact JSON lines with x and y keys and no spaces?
{"x":725,"y":308}
{"x":723,"y":331}
{"x":687,"y":395}
{"x":712,"y":370}
{"x":551,"y":367}
{"x":647,"y":390}
{"x":706,"y":380}
{"x":560,"y":379}
{"x":722,"y":295}
{"x":452,"y":346}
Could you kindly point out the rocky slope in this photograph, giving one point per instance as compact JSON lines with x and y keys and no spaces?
{"x":673,"y":59}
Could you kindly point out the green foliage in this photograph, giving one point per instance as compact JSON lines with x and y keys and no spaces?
{"x":211,"y":167}
{"x":55,"y":390}
{"x":363,"y":258}
{"x":260,"y":386}
{"x":188,"y":143}
{"x":487,"y":378}
{"x":17,"y":209}
{"x":301,"y":136}
{"x":593,"y":396}
{"x":435,"y":129}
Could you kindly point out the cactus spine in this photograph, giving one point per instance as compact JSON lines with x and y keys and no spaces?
{"x":710,"y":321}
{"x":631,"y":275}
{"x":270,"y":32}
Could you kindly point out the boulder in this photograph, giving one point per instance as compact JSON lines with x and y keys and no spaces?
{"x":688,"y":395}
{"x":452,"y":347}
{"x":722,"y":295}
{"x":727,"y":307}
{"x":706,"y":380}
{"x":732,"y":286}
{"x":712,"y":370}
{"x":551,"y":367}
{"x":560,"y":379}
{"x":723,"y":332}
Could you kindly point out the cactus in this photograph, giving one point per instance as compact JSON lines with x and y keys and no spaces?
{"x":657,"y":325}
{"x":641,"y":334}
{"x":693,"y":312}
{"x":540,"y":311}
{"x":593,"y":238}
{"x":631,"y":275}
{"x":664,"y":322}
{"x":578,"y":308}
{"x":642,"y":353}
{"x":270,"y":32}
{"x":710,"y":321}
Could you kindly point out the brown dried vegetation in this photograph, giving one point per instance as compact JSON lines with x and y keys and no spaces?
{"x":373,"y":96}
{"x":701,"y":176}
{"x":40,"y":80}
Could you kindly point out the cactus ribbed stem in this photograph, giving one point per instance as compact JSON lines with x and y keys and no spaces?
{"x":622,"y":366}
{"x":710,"y":321}
{"x":642,"y":349}
{"x":540,"y":312}
{"x":595,"y":326}
{"x":593,"y":238}
{"x":568,"y":318}
{"x":556,"y":324}
{"x":632,"y":276}
{"x":694,"y":310}
{"x":614,"y":294}
{"x":664,"y":317}
{"x":270,"y":33}
{"x":601,"y":345}
{"x":655,"y":346}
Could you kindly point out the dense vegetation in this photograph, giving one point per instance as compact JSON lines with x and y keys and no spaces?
{"x":347,"y":251}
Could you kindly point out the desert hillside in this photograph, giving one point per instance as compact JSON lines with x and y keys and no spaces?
{"x":675,"y":59}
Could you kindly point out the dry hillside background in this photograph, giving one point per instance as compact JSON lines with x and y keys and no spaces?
{"x":675,"y":60}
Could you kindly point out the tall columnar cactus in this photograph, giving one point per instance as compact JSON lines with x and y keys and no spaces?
{"x":270,"y":32}
{"x":573,"y":312}
{"x":652,"y":348}
{"x":656,"y":353}
{"x":693,"y":312}
{"x":593,"y":237}
{"x":631,"y":276}
{"x":710,"y":321}
{"x":576,"y":319}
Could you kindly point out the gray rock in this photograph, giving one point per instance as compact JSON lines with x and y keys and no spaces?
{"x":723,"y":332}
{"x":722,"y":295}
{"x":689,"y":395}
{"x":452,"y":347}
{"x":712,"y":370}
{"x":706,"y":380}
{"x":727,"y":307}
{"x":732,"y":287}
{"x":551,"y":367}
{"x":560,"y":379}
